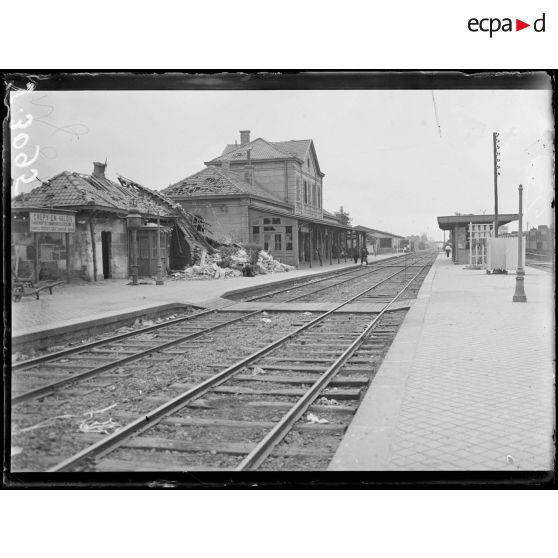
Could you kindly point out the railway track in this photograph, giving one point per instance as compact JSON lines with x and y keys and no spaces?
{"x":104,"y":358}
{"x":248,"y":414}
{"x":544,"y":266}
{"x":539,"y":260}
{"x":215,"y":411}
{"x":43,"y":375}
{"x":287,"y":294}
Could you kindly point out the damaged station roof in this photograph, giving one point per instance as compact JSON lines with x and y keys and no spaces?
{"x":95,"y":192}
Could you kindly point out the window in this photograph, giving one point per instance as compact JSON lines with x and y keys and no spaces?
{"x":277,"y":242}
{"x":267,"y":238}
{"x":276,"y":221}
{"x":305,"y":192}
{"x":288,"y":238}
{"x":256,"y":235}
{"x":314,"y":196}
{"x":267,"y":221}
{"x":199,"y":223}
{"x":319,"y":191}
{"x":269,"y":228}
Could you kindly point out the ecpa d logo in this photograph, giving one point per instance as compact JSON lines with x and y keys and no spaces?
{"x":492,"y":25}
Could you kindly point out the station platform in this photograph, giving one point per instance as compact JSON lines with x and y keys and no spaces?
{"x":468,"y":383}
{"x":76,"y":303}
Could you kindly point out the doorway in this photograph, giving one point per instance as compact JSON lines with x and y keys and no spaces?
{"x":106,"y":244}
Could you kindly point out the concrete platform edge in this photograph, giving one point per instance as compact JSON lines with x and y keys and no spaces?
{"x":372,"y":427}
{"x":75,"y":326}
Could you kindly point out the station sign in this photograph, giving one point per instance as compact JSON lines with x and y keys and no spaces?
{"x":52,"y":222}
{"x":482,"y":231}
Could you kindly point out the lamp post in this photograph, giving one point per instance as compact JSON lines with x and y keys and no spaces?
{"x":519,"y":295}
{"x":133,"y":220}
{"x":159,"y":278}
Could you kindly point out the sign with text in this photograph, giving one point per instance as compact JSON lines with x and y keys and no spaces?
{"x":482,"y":231}
{"x":52,"y":222}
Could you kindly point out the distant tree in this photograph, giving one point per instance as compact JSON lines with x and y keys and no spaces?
{"x":457,"y":213}
{"x":343,"y":216}
{"x":423,"y":238}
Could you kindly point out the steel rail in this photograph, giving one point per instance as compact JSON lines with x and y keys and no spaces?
{"x":332,"y":276}
{"x":364,"y":275}
{"x":112,"y":441}
{"x":283,"y":427}
{"x":29,"y":363}
{"x":49,"y":388}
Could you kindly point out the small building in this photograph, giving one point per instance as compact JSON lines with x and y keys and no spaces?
{"x":381,"y":242}
{"x":74,"y":226}
{"x":458,"y":227}
{"x":268,"y":194}
{"x":540,"y":239}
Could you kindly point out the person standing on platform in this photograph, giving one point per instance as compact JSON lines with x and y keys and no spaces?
{"x":364,"y":256}
{"x":355,"y":255}
{"x":448,"y":250}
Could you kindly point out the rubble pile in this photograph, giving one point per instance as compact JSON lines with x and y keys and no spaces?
{"x":229,"y":263}
{"x":266,"y":264}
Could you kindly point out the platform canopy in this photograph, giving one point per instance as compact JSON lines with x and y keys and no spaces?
{"x":448,"y":222}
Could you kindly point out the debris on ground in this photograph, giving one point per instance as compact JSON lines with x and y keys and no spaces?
{"x":266,"y":264}
{"x":15,"y":451}
{"x":89,"y":426}
{"x":266,"y":320}
{"x":99,"y":411}
{"x":230,"y":261}
{"x":314,"y":419}
{"x":326,"y":401}
{"x":257,"y":370}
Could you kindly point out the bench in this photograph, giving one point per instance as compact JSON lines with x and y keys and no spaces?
{"x":26,"y":287}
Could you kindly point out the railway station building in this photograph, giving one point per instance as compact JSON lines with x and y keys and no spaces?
{"x":268,"y":194}
{"x":458,"y":228}
{"x":381,"y":242}
{"x":75,"y":226}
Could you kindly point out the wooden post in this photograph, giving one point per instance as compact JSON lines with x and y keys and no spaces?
{"x":321,"y":249}
{"x":358,"y":245}
{"x":310,"y":228}
{"x":36,"y":259}
{"x":352,"y":245}
{"x":68,"y":259}
{"x":338,"y":246}
{"x":296,"y":248}
{"x":93,"y":245}
{"x":470,"y":244}
{"x":330,"y":244}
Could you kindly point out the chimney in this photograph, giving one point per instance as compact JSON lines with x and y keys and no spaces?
{"x":99,"y":170}
{"x":244,"y":137}
{"x":249,"y":169}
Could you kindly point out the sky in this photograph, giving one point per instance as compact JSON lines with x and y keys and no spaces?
{"x":395,"y":160}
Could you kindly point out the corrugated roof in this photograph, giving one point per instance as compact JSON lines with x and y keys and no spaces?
{"x":215,"y":181}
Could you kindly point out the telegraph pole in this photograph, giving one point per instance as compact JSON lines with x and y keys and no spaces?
{"x":496,"y":146}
